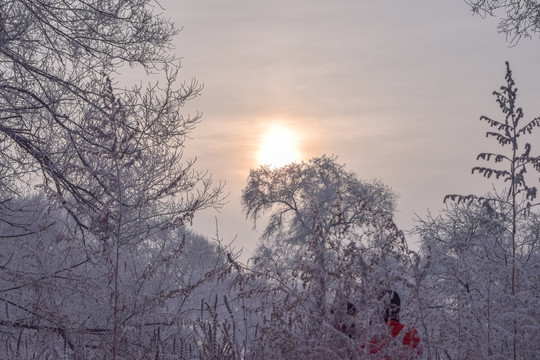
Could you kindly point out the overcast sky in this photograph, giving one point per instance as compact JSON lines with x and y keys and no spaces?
{"x":393,"y":88}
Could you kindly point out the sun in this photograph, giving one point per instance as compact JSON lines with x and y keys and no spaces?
{"x":279,"y":146}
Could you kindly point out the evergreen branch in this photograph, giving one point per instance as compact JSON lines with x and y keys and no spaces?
{"x":502,"y":100}
{"x":494,"y":123}
{"x":488,"y":156}
{"x":528,"y":127}
{"x":471,"y":199}
{"x":503,"y":140}
{"x":530,"y":192}
{"x":467,"y":199}
{"x":488,"y":172}
{"x":525,"y":157}
{"x":535,"y":162}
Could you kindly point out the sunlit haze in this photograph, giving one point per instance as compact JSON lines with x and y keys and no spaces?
{"x":394,"y":89}
{"x":279,"y":146}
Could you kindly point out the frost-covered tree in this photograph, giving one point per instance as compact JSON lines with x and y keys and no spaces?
{"x":520,"y":18}
{"x":482,"y":250}
{"x":467,"y":286}
{"x":58,"y":303}
{"x":329,"y":240}
{"x":110,"y":163}
{"x":137,"y":194}
{"x":53,"y":58}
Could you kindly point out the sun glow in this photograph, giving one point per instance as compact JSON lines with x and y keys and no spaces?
{"x":279,"y":146}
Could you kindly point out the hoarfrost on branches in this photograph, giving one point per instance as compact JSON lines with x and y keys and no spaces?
{"x":483,"y":251}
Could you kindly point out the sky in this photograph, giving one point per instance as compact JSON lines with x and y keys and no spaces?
{"x":394,"y":89}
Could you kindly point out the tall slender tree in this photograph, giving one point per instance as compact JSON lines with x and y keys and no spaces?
{"x":517,"y":200}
